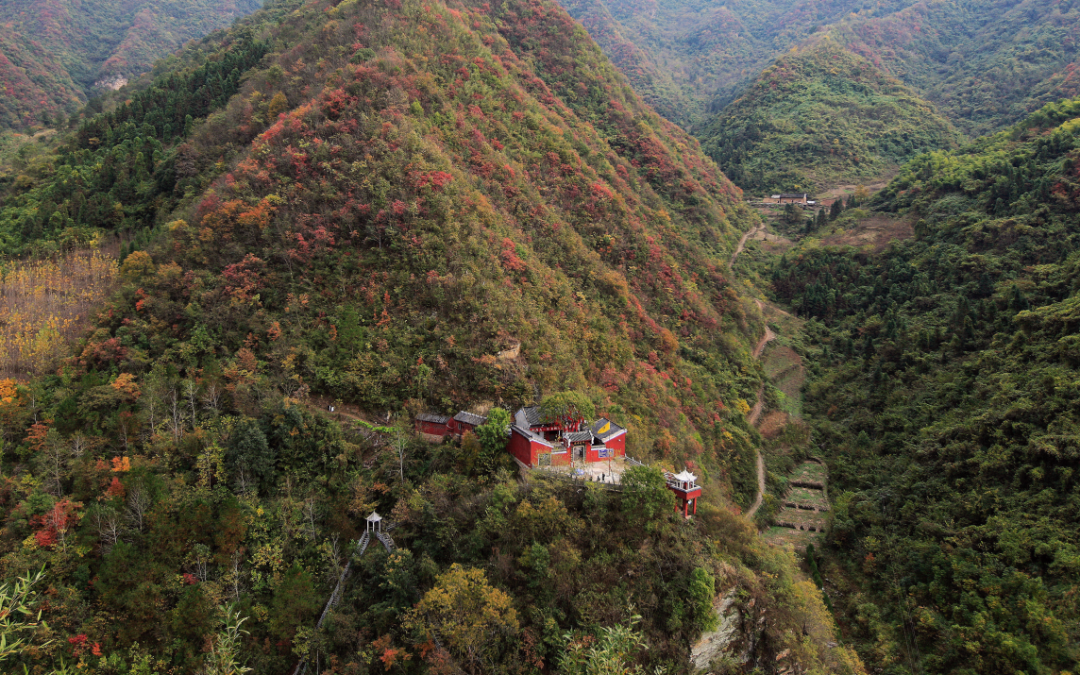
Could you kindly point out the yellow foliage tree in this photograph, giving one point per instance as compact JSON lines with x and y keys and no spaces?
{"x":278,"y":105}
{"x":475,"y":622}
{"x":125,"y":384}
{"x":137,"y":266}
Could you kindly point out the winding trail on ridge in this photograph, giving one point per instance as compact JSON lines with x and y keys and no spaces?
{"x":742,"y":243}
{"x":755,"y":413}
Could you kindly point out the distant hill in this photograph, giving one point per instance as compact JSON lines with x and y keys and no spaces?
{"x":821,"y":116}
{"x":688,"y":58}
{"x":985,"y":64}
{"x":54,"y":54}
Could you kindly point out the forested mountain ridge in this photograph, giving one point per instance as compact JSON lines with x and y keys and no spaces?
{"x":984,"y":63}
{"x":689,"y":58}
{"x":56,"y":53}
{"x":821,"y":116}
{"x":945,"y":398}
{"x":371,"y":201}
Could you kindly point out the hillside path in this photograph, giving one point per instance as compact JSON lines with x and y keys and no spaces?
{"x":755,"y":413}
{"x":742,"y":242}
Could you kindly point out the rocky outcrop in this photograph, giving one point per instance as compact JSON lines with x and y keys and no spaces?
{"x":736,"y":637}
{"x":113,"y":83}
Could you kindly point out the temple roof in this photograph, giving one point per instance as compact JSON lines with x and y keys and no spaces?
{"x":605,"y":430}
{"x":527,"y":433}
{"x":431,"y":417}
{"x":374,"y":517}
{"x":685,"y":476}
{"x":470,"y":418}
{"x":528,"y":416}
{"x":578,"y":436}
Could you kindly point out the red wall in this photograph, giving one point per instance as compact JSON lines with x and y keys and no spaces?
{"x":522,"y":448}
{"x":433,"y":428}
{"x":459,"y":428}
{"x":618,"y":445}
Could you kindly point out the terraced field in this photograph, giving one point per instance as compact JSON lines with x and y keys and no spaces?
{"x":804,"y":515}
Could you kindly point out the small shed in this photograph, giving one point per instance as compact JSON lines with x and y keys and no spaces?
{"x":579,"y":443}
{"x":793,"y":198}
{"x":465,"y":421}
{"x":532,"y":449}
{"x":610,"y":436}
{"x":432,"y":424}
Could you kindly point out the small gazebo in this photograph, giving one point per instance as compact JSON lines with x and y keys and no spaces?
{"x":374,"y":522}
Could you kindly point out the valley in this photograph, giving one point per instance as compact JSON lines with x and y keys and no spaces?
{"x":368,"y":203}
{"x":56,"y":55}
{"x":803,"y":275}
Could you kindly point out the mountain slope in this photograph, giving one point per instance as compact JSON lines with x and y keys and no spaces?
{"x":383,"y":198}
{"x":56,"y":53}
{"x":945,"y":398}
{"x":681,"y":57}
{"x":984,"y":64}
{"x":822,"y":116}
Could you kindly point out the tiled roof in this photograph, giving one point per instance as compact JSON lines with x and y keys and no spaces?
{"x":524,"y":431}
{"x":530,"y":415}
{"x":430,"y":417}
{"x":578,"y":436}
{"x":469,"y":418}
{"x":611,"y":431}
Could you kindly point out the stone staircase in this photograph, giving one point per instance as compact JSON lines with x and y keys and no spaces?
{"x":339,"y":588}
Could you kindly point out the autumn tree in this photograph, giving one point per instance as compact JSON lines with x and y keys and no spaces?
{"x":567,"y":405}
{"x":278,"y":105}
{"x":136,"y":267}
{"x":646,"y":499}
{"x":492,"y":437}
{"x":476,"y":623}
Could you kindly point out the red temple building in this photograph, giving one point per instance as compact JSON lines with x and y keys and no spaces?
{"x":540,"y":442}
{"x":686,"y":490}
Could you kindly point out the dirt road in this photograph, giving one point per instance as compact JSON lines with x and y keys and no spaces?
{"x":755,"y":413}
{"x":742,"y":242}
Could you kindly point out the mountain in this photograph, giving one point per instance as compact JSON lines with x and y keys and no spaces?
{"x":370,"y":205}
{"x":984,"y":64}
{"x":944,"y":397}
{"x":821,"y":116}
{"x":54,"y":54}
{"x":689,"y":58}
